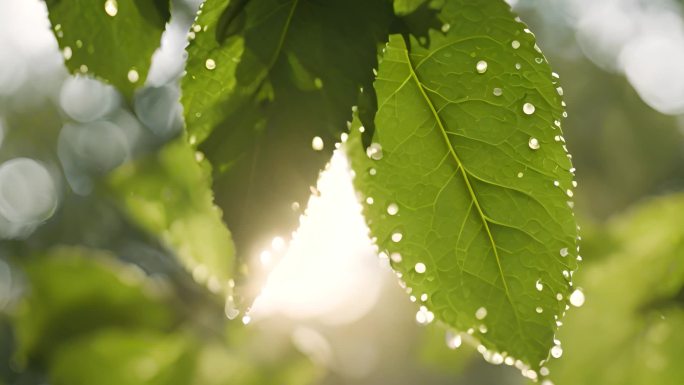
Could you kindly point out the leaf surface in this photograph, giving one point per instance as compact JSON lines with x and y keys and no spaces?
{"x":460,"y":182}
{"x":112,"y":39}
{"x":264,"y":78}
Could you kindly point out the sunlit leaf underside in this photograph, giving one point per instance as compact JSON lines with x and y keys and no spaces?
{"x":468,"y":186}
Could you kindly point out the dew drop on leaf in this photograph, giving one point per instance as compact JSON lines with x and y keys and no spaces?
{"x":396,"y":237}
{"x":420,"y":268}
{"x":111,"y":7}
{"x":577,"y":298}
{"x":395,"y":257}
{"x":556,"y":351}
{"x":564,"y":252}
{"x":497,"y":91}
{"x":374,"y":151}
{"x":66,"y":52}
{"x":528,"y":108}
{"x":210,"y":64}
{"x":539,"y":309}
{"x":370,"y":200}
{"x":515,"y":44}
{"x":533,"y":143}
{"x":539,"y":285}
{"x":481,"y":67}
{"x":392,"y":209}
{"x":133,"y":76}
{"x":446,"y":27}
{"x":481,"y":313}
{"x":317,"y":143}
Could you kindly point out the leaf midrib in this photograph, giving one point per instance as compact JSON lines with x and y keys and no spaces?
{"x":466,"y":179}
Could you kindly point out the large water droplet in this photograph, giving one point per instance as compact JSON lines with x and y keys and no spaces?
{"x":392,"y":209}
{"x":481,"y":313}
{"x":533,"y":143}
{"x":539,"y":309}
{"x":577,"y":298}
{"x":210,"y":64}
{"x":111,"y":7}
{"x":396,"y":237}
{"x":317,"y":143}
{"x":420,"y":268}
{"x":481,"y":67}
{"x":133,"y":76}
{"x":556,"y":351}
{"x":374,"y":151}
{"x":528,"y":108}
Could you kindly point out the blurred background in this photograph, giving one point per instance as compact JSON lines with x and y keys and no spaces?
{"x":88,"y":297}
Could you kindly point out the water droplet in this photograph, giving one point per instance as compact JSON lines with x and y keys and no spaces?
{"x":133,"y":76}
{"x":446,"y":27}
{"x":533,"y":143}
{"x":453,"y":340}
{"x":372,"y":171}
{"x":559,"y":296}
{"x":317,"y":143}
{"x":66,"y":52}
{"x":528,"y":108}
{"x":424,"y":316}
{"x":569,"y":193}
{"x":539,"y":309}
{"x":564,"y":252}
{"x":396,"y":237}
{"x":577,"y":298}
{"x":246,"y":319}
{"x":515,"y":44}
{"x":556,"y":351}
{"x":395,"y":257}
{"x":539,"y":285}
{"x":111,"y":7}
{"x":420,"y":268}
{"x":520,"y":174}
{"x":544,"y":371}
{"x":210,"y":64}
{"x":481,"y":313}
{"x":374,"y":151}
{"x":518,"y":66}
{"x":497,"y":91}
{"x":574,"y":183}
{"x":539,"y":60}
{"x":556,"y":183}
{"x":481,"y":67}
{"x":199,"y":156}
{"x":392,"y":209}
{"x":370,"y":200}
{"x":560,"y":91}
{"x":483,"y":329}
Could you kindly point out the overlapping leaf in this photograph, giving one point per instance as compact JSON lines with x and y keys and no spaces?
{"x":467,"y":185}
{"x":629,"y":331}
{"x":111,"y":39}
{"x":169,"y":195}
{"x":264,"y":77}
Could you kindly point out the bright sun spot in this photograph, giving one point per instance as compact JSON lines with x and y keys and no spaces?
{"x":330,"y":271}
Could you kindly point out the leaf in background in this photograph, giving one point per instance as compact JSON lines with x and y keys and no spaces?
{"x":404,"y":7}
{"x":264,"y":78}
{"x":112,"y":39}
{"x":169,"y":195}
{"x":467,"y":184}
{"x":115,"y":357}
{"x":630,"y":329}
{"x":75,"y":292}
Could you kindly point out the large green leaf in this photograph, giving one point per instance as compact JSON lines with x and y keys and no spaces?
{"x":630,"y":329}
{"x":169,"y":195}
{"x":264,"y":77}
{"x":468,"y":185}
{"x":112,"y":39}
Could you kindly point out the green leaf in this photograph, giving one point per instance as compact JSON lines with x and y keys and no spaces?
{"x":630,"y":329}
{"x":127,"y":357}
{"x":404,"y":7}
{"x":459,"y":183}
{"x":264,"y":78}
{"x":74,"y":292}
{"x":169,"y":195}
{"x":112,"y":39}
